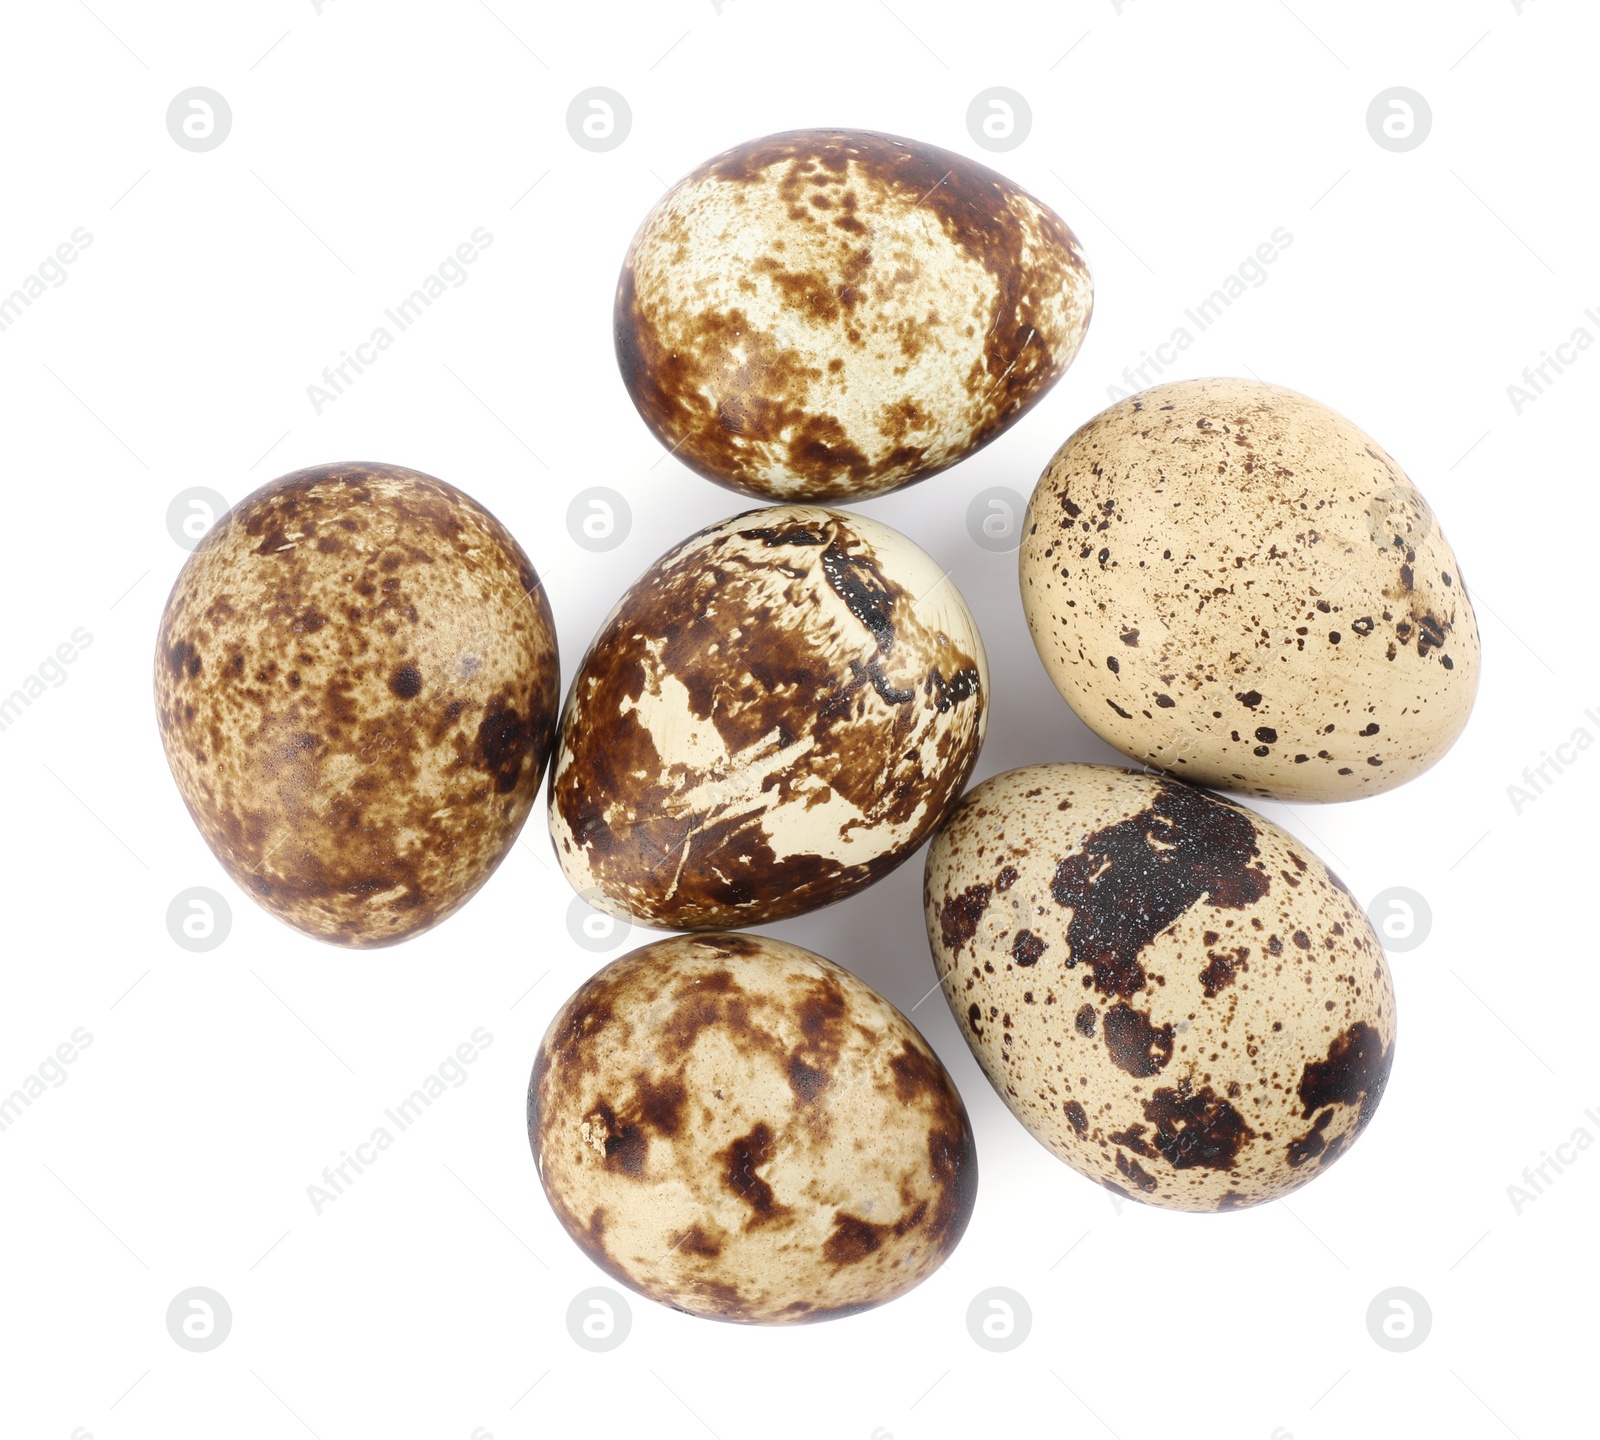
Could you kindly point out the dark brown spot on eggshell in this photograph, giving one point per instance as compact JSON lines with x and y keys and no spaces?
{"x":1221,"y":968}
{"x":959,"y":916}
{"x":1196,"y":1127}
{"x":1027,"y":948}
{"x":1134,"y":1044}
{"x":806,"y":1081}
{"x":740,"y":1164}
{"x":1353,"y":1073}
{"x":1135,"y":1173}
{"x":406,"y":682}
{"x":1133,"y":879}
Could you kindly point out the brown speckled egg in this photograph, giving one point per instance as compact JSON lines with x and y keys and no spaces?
{"x":743,"y":1130}
{"x":1231,"y":582}
{"x":774,"y":716}
{"x":1172,"y":994}
{"x":831,"y":314}
{"x":356,"y":683}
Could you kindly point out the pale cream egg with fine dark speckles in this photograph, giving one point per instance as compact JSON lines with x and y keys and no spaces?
{"x":1232,"y":583}
{"x":743,"y":1130}
{"x":773,"y":717}
{"x":1171,"y":993}
{"x":356,"y":682}
{"x":830,"y":314}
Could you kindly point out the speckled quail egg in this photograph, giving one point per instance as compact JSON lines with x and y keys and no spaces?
{"x":743,"y":1130}
{"x":774,"y":716}
{"x":831,"y":314}
{"x":1174,"y":995}
{"x":1231,"y":582}
{"x":356,"y":683}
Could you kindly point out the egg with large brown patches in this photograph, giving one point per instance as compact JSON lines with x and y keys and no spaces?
{"x":773,"y":717}
{"x":356,"y":683}
{"x":1171,"y":993}
{"x":743,"y":1130}
{"x":1232,"y":583}
{"x":831,"y":314}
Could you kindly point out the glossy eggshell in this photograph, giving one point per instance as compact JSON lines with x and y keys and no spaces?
{"x":774,"y":716}
{"x":831,"y":314}
{"x":743,"y":1130}
{"x":1231,"y":582}
{"x":1174,"y":995}
{"x":356,"y":683}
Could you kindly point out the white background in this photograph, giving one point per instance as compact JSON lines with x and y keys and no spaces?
{"x":367,"y":142}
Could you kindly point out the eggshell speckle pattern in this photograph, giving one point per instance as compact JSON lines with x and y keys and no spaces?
{"x":743,"y":1130}
{"x":356,"y":683}
{"x":774,"y":716}
{"x":1171,"y":993}
{"x":830,"y":314}
{"x":1231,"y":582}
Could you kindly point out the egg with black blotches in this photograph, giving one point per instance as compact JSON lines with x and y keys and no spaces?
{"x":1172,"y":994}
{"x":831,"y":314}
{"x":745,"y":1131}
{"x":356,"y":684}
{"x":1231,"y":582}
{"x":774,"y":716}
